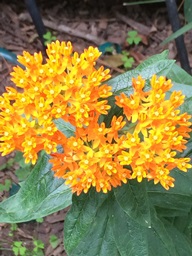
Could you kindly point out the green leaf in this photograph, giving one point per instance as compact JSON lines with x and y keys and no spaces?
{"x":133,"y":239}
{"x":18,"y":249}
{"x":65,"y":127}
{"x":182,"y":223}
{"x":133,"y":37}
{"x":182,"y":244}
{"x":173,"y":201}
{"x":183,"y":181}
{"x":41,"y":194}
{"x":137,"y":40}
{"x":130,"y":237}
{"x":188,"y":10}
{"x":48,"y":35}
{"x":182,"y":80}
{"x":6,"y":186}
{"x":159,"y":241}
{"x":129,"y":62}
{"x":164,"y":212}
{"x":97,"y":225}
{"x":154,"y":58}
{"x":39,"y":220}
{"x":178,"y":198}
{"x":87,"y":230}
{"x":133,"y":199}
{"x":155,"y":65}
{"x":187,"y":106}
{"x":38,"y":245}
{"x":180,"y":76}
{"x":179,"y":32}
{"x":54,"y":241}
{"x":124,"y":58}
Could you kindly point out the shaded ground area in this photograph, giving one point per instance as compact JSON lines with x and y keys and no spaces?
{"x":84,"y":23}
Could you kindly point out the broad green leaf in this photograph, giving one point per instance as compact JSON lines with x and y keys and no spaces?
{"x":179,"y":32}
{"x":150,"y":67}
{"x":186,"y":106}
{"x":190,"y":220}
{"x":97,"y":225}
{"x":130,"y":237}
{"x":183,"y":181}
{"x":179,"y":76}
{"x":87,"y":230}
{"x":172,"y":201}
{"x":165,"y":212}
{"x":182,"y":243}
{"x":154,"y":58}
{"x":159,"y":241}
{"x":40,"y":195}
{"x":182,"y":81}
{"x":65,"y":127}
{"x":133,"y":239}
{"x":6,"y":186}
{"x":178,"y":198}
{"x":188,"y":10}
{"x":182,"y":223}
{"x":133,"y":199}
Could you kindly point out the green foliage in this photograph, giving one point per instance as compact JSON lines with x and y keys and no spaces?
{"x":39,"y":220}
{"x":38,"y":247}
{"x":6,"y":186}
{"x":49,"y":37}
{"x":18,"y":248}
{"x":24,"y":169}
{"x":133,"y":37}
{"x":100,"y":222}
{"x":41,"y":194}
{"x":7,"y":165}
{"x":13,"y":228}
{"x":127,"y":61}
{"x":54,"y":241}
{"x":186,"y":27}
{"x":140,"y":219}
{"x":138,"y":207}
{"x":188,"y":10}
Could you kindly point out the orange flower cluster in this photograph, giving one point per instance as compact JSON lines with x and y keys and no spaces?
{"x":159,"y":131}
{"x":67,"y":86}
{"x":142,"y":143}
{"x":90,"y":158}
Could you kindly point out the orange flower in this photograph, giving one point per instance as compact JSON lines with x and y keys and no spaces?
{"x":146,"y":148}
{"x":67,"y":86}
{"x":142,"y":143}
{"x":158,"y":133}
{"x":90,"y":159}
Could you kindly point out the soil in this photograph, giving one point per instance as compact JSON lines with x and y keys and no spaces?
{"x":89,"y":22}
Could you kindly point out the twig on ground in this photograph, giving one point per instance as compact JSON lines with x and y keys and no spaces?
{"x":141,"y":29}
{"x":73,"y":32}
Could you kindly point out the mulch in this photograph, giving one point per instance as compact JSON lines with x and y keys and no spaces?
{"x":84,"y":23}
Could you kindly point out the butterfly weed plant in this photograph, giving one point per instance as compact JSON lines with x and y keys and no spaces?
{"x":117,"y":150}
